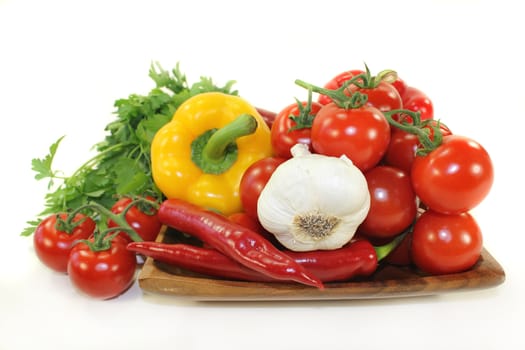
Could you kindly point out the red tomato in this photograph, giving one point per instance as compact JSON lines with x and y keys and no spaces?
{"x":393,"y":204}
{"x":253,"y":181}
{"x":282,"y":137}
{"x":400,"y":86}
{"x":102,"y":274}
{"x":444,"y":244}
{"x":415,"y":100}
{"x":455,"y":177}
{"x":143,"y":220}
{"x":403,"y":146}
{"x":336,"y":82}
{"x":431,"y":124}
{"x":402,"y":150}
{"x":384,"y":96}
{"x":52,"y":246}
{"x":362,"y":134}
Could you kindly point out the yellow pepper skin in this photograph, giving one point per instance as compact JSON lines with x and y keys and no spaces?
{"x":176,"y":173}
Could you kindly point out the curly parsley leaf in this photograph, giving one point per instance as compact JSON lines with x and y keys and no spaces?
{"x":122,"y":164}
{"x":43,"y":166}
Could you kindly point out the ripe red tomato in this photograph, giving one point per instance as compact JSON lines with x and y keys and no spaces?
{"x":282,"y":137}
{"x":455,"y":177}
{"x":143,"y":220}
{"x":362,"y":134}
{"x":400,"y":86}
{"x":384,"y":96}
{"x":102,"y":274}
{"x":336,"y":82}
{"x":393,"y":204}
{"x":403,"y":146}
{"x":417,"y":101}
{"x":52,"y":245}
{"x":402,"y":150}
{"x":253,"y":181}
{"x":444,"y":244}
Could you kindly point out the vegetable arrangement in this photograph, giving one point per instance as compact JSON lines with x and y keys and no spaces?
{"x":325,"y":190}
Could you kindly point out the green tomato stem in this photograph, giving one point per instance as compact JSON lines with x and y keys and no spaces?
{"x":370,"y":82}
{"x":119,"y":219}
{"x":418,"y":128}
{"x":67,"y":225}
{"x":305,"y":118}
{"x":342,"y":97}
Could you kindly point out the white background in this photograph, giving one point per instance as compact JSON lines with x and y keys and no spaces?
{"x":63,"y":64}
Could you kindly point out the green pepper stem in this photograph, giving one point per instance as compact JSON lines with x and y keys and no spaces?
{"x":215,"y":151}
{"x":243,"y":125}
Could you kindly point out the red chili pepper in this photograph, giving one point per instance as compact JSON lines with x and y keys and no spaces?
{"x":207,"y":261}
{"x":243,"y":219}
{"x":235,"y":241}
{"x":356,"y":259}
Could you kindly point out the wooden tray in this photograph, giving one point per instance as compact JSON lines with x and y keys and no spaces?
{"x":387,"y":282}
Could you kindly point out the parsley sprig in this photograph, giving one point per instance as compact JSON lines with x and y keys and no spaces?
{"x":122,"y":164}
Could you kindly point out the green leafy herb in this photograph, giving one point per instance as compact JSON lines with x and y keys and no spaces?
{"x":122,"y":164}
{"x":43,"y":167}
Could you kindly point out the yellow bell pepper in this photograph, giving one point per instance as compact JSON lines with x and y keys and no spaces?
{"x":202,"y":153}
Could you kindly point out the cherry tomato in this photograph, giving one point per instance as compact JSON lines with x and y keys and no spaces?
{"x":362,"y":134}
{"x":403,"y":146}
{"x":52,"y":245}
{"x":102,"y":274}
{"x":431,"y":124}
{"x":417,"y":101}
{"x":400,"y":86}
{"x":444,"y":243}
{"x":402,"y":150}
{"x":384,"y":96}
{"x":336,"y":82}
{"x":253,"y":181}
{"x":143,"y":220}
{"x":393,"y":204}
{"x":455,"y":177}
{"x":282,"y":137}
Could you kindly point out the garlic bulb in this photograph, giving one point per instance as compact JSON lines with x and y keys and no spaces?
{"x":314,"y":201}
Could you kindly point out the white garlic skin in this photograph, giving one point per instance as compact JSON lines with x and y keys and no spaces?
{"x":313,"y":183}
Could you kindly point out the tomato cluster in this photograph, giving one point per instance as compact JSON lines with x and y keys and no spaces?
{"x":97,"y":262}
{"x":423,"y":179}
